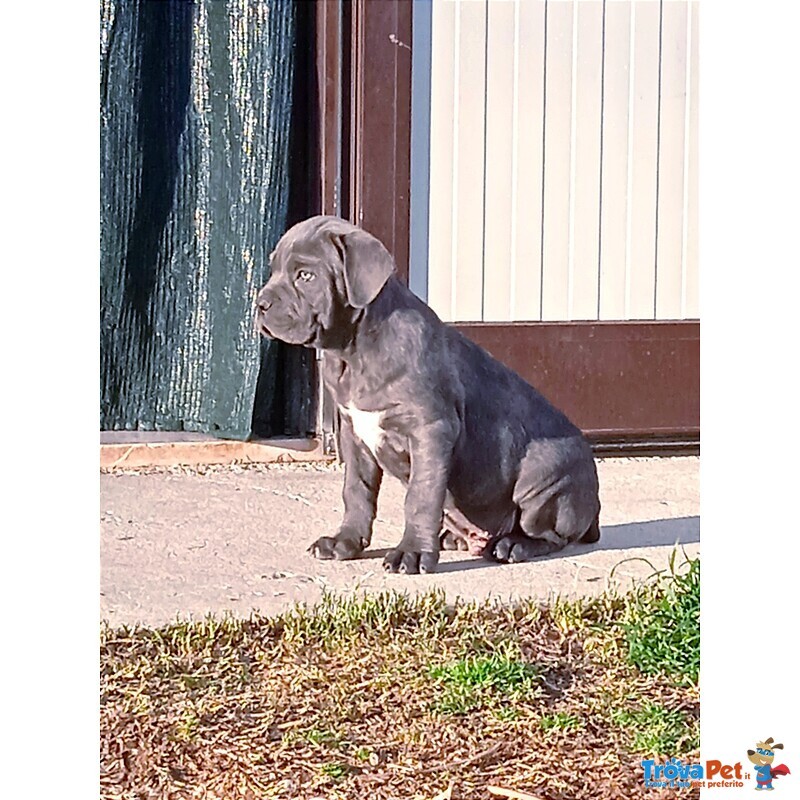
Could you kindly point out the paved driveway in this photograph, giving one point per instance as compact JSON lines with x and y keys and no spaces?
{"x":176,"y":542}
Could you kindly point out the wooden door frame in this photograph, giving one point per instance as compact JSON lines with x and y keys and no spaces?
{"x":633,"y":386}
{"x":365,"y":116}
{"x":365,"y":154}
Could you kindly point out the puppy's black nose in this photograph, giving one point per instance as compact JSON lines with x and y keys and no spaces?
{"x":265,"y":300}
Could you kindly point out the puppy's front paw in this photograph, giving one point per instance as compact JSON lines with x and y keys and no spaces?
{"x":409,"y":562}
{"x":340,"y":548}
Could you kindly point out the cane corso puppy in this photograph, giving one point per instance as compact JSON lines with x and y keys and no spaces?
{"x":488,"y":463}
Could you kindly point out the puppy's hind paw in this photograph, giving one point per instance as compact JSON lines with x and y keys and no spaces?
{"x":452,"y":540}
{"x":515,"y":548}
{"x":408,"y":562}
{"x":458,"y":533}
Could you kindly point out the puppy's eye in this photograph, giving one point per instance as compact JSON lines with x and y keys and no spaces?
{"x":304,"y":276}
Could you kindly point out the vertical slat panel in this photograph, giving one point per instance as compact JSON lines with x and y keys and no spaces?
{"x":442,"y":156}
{"x":672,"y":136}
{"x":563,"y":186}
{"x":614,"y":189}
{"x":558,"y":141}
{"x":467,"y":294}
{"x":691,"y":291}
{"x":419,"y":200}
{"x":585,"y":222}
{"x":526,"y":187}
{"x":643,"y":150}
{"x":500,"y":93}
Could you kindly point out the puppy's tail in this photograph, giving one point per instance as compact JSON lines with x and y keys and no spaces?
{"x":593,"y":534}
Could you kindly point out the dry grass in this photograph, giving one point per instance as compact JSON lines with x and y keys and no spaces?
{"x":389,"y":697}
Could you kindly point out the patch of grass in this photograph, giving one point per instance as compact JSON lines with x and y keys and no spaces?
{"x":457,"y":701}
{"x":323,"y":737}
{"x":186,"y":725}
{"x":334,"y":770}
{"x":561,"y":721}
{"x":655,"y":730}
{"x":662,"y":624}
{"x":337,"y":621}
{"x":477,"y":681}
{"x":363,"y":754}
{"x":383,"y":695}
{"x":498,"y":671}
{"x":506,"y":713}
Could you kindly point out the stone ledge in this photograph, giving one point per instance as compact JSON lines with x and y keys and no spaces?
{"x":190,"y":452}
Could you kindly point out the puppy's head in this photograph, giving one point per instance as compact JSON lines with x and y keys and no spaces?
{"x":323,"y":272}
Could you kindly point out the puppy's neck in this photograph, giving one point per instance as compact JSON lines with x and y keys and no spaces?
{"x":369,"y":323}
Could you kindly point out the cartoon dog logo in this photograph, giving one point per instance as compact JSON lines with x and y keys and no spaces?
{"x":762,"y":757}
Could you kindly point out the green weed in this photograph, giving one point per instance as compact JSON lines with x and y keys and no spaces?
{"x":337,"y":620}
{"x":561,"y":721}
{"x":662,"y":624}
{"x":334,"y":770}
{"x":506,"y":713}
{"x":481,"y":680}
{"x":323,"y":737}
{"x":656,"y":730}
{"x":363,"y":754}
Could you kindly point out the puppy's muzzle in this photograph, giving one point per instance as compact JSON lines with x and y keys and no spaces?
{"x":263,"y":305}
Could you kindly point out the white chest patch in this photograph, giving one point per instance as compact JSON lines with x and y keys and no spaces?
{"x":366,"y":426}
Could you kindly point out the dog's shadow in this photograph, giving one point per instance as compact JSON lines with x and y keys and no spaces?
{"x":628,"y":536}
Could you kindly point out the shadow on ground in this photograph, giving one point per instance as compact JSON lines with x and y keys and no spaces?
{"x":655,"y":533}
{"x":631,"y":535}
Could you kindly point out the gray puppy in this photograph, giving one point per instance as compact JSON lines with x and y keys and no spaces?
{"x":489,"y":464}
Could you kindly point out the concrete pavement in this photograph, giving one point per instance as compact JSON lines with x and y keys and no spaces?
{"x":181,"y":543}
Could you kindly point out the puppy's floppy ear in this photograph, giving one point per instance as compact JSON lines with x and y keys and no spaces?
{"x":367,"y":266}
